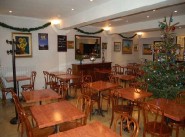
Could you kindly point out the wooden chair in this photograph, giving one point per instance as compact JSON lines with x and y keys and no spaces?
{"x":83,"y":104}
{"x":126,"y":121}
{"x":176,"y":125}
{"x":106,"y":95}
{"x":18,"y":106}
{"x":4,"y":90}
{"x":32,"y":82}
{"x":117,"y":107}
{"x":87,"y":78}
{"x":69,"y":71}
{"x":154,"y":122}
{"x":62,"y":89}
{"x":34,"y":131}
{"x":53,"y":82}
{"x":86,"y":91}
{"x":47,"y":79}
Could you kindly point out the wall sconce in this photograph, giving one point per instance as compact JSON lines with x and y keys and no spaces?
{"x":106,"y":28}
{"x":56,"y":21}
{"x":139,"y":34}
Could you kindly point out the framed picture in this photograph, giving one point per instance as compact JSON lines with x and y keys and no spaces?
{"x":147,"y":49}
{"x":24,"y":46}
{"x":117,"y":46}
{"x":127,"y":46}
{"x":43,"y":41}
{"x":70,"y":44}
{"x":104,"y":45}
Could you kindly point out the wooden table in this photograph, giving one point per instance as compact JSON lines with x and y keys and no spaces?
{"x":125,"y":78}
{"x":18,"y":78}
{"x":102,"y":86}
{"x":40,"y":95}
{"x":55,"y":113}
{"x":171,"y":108}
{"x":133,"y":94}
{"x":95,"y":129}
{"x":56,"y":73}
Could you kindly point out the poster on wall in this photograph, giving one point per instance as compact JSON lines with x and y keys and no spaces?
{"x":24,"y":46}
{"x":62,"y":43}
{"x":43,"y":41}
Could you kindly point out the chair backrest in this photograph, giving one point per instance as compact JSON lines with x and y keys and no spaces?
{"x":113,"y":79}
{"x":126,"y":121}
{"x":83,"y":104}
{"x":53,"y":81}
{"x":2,"y":85}
{"x":63,"y":89}
{"x":69,"y":71}
{"x":87,"y":78}
{"x":180,"y":99}
{"x":22,"y":114}
{"x":46,"y":76}
{"x":33,"y":75}
{"x":153,"y":114}
{"x":139,"y":85}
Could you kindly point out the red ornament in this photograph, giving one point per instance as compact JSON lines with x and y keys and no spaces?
{"x":173,"y":28}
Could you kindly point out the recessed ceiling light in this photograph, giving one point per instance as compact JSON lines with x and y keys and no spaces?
{"x":180,"y":27}
{"x":90,"y":0}
{"x":72,"y":9}
{"x":175,"y":11}
{"x":147,"y":16}
{"x":10,"y":11}
{"x":153,"y":10}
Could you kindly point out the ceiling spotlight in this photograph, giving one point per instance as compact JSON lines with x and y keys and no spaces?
{"x":72,"y":9}
{"x":153,"y":10}
{"x":175,"y":11}
{"x":147,"y":16}
{"x":90,"y":0}
{"x":10,"y":11}
{"x":180,"y":27}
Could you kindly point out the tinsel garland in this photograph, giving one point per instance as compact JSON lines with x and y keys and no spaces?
{"x":127,"y":37}
{"x":24,"y":29}
{"x":81,"y":31}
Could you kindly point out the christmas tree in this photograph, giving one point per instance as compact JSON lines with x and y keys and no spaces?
{"x":164,"y":76}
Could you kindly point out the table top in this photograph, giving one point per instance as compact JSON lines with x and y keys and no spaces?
{"x":18,"y":78}
{"x":133,"y":93}
{"x":125,"y":77}
{"x":171,"y":108}
{"x":55,"y":113}
{"x":68,"y":76}
{"x":95,"y":129}
{"x":102,"y":85}
{"x":40,"y":95}
{"x":56,"y":73}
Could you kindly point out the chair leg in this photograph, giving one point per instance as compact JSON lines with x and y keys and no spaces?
{"x":112,"y":119}
{"x":177,"y":131}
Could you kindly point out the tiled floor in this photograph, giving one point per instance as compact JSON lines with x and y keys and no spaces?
{"x":7,"y":112}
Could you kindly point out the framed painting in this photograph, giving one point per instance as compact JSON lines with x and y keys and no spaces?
{"x":117,"y":46}
{"x":147,"y":49}
{"x":104,"y":45}
{"x":127,"y":46}
{"x":43,"y":41}
{"x":24,"y":46}
{"x":70,"y":44}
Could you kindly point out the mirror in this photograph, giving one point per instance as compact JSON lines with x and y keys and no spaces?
{"x":87,"y":46}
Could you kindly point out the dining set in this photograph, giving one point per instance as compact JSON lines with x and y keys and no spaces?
{"x":53,"y":109}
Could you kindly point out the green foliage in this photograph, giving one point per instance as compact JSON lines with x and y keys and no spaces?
{"x":164,"y":76}
{"x":24,"y":29}
{"x":89,"y":33}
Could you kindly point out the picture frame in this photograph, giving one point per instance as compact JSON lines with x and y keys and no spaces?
{"x":127,"y":46}
{"x":43,"y":41}
{"x":117,"y":46}
{"x":104,"y":45}
{"x":24,"y":46}
{"x":70,"y":44}
{"x":147,"y":49}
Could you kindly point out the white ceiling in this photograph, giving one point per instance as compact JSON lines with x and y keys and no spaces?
{"x":50,"y":9}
